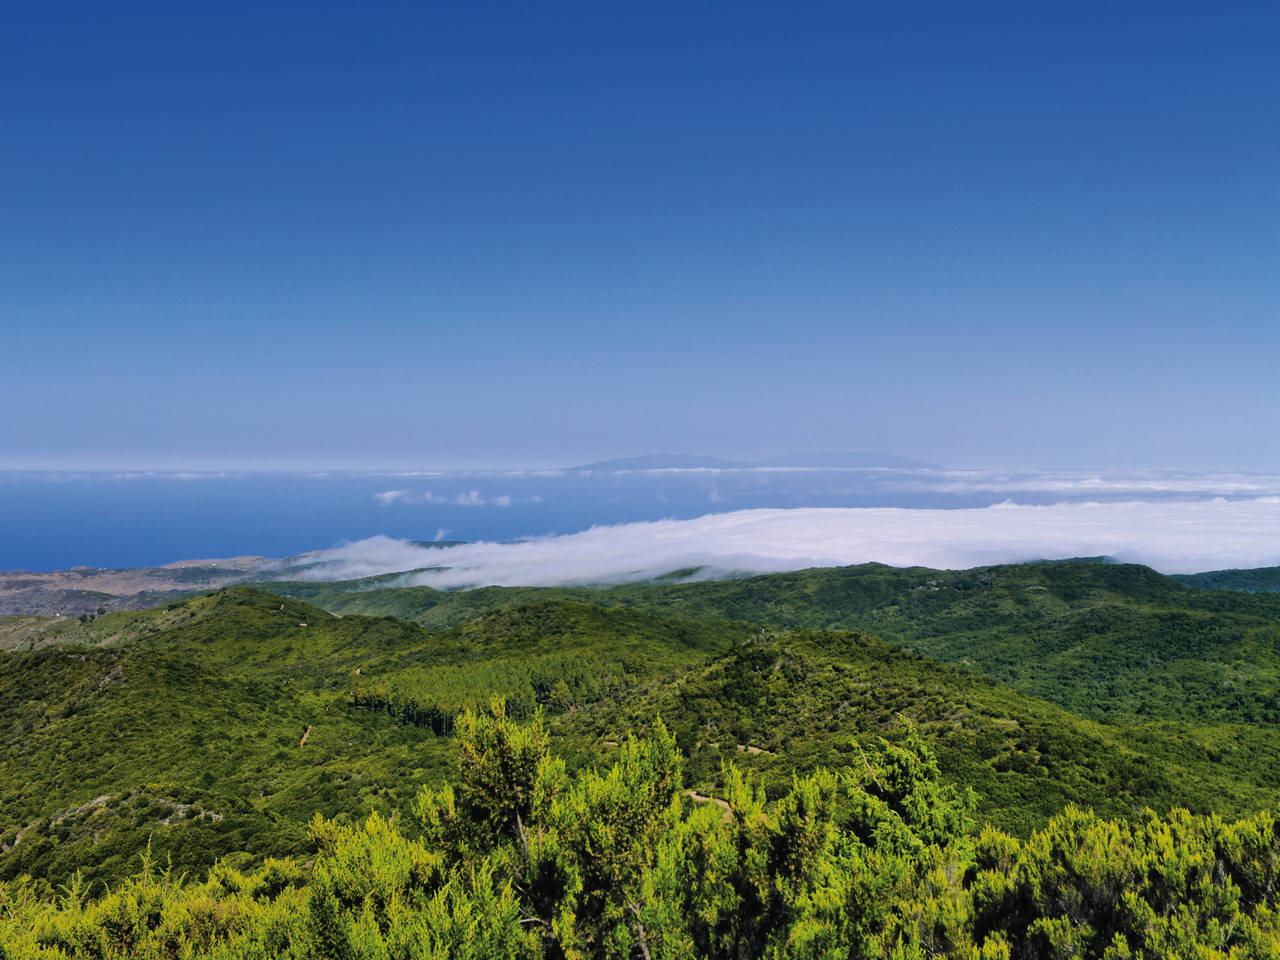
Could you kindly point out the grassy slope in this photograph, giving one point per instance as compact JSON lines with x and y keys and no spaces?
{"x":20,"y":629}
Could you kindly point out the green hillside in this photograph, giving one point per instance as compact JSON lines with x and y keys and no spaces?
{"x":1255,"y":580}
{"x":184,"y":723}
{"x":1109,"y":641}
{"x":217,"y":726}
{"x":798,"y":700}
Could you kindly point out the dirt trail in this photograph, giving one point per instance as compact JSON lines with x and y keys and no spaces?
{"x":722,"y":804}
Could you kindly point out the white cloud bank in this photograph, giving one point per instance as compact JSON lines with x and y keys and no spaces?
{"x":388,"y":497}
{"x":1076,"y":485}
{"x":470,"y":498}
{"x":1171,"y":537}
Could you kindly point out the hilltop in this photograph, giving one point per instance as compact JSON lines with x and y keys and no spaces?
{"x":1256,"y":580}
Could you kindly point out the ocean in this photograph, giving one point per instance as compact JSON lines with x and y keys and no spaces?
{"x":53,"y":520}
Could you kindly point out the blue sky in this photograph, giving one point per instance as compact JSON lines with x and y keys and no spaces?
{"x":450,"y":234}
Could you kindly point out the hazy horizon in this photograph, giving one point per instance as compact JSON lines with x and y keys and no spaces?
{"x":58,"y":519}
{"x":170,"y":464}
{"x":280,"y":279}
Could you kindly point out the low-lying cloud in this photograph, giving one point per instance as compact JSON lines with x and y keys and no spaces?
{"x":388,"y":497}
{"x":1172,"y":537}
{"x":468,"y":498}
{"x":1080,"y":485}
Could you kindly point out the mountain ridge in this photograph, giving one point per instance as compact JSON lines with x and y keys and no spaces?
{"x":821,"y":461}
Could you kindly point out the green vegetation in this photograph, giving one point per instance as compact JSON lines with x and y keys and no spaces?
{"x":199,"y":707}
{"x":202,"y":705}
{"x":1255,"y":580}
{"x":521,"y":859}
{"x":206,"y":734}
{"x":799,"y":700}
{"x":1108,"y":641}
{"x":560,"y":654}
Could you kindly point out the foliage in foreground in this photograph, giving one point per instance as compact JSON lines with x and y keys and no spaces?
{"x":520,"y":859}
{"x":215,"y":727}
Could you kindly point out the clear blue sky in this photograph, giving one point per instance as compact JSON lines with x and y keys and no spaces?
{"x":440,"y":234}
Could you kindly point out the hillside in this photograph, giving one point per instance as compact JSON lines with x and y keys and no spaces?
{"x":217,"y":726}
{"x":1113,"y":642}
{"x":82,"y":590}
{"x":184,"y":723}
{"x":799,"y":700}
{"x":519,"y":857}
{"x":1256,"y":580}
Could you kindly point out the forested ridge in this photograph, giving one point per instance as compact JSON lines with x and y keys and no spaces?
{"x":1060,"y":759}
{"x":1082,"y":634}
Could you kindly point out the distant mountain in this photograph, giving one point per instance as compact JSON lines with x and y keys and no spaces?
{"x":690,"y":461}
{"x":846,"y":461}
{"x":664,"y":461}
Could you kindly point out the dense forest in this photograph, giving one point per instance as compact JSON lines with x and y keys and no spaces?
{"x":1057,"y":759}
{"x":519,"y":858}
{"x":1254,"y":580}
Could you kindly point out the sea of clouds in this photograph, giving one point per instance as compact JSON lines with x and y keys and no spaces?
{"x":1171,"y":536}
{"x":636,"y":522}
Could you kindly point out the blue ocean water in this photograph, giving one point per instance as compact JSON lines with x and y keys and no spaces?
{"x":56,"y":520}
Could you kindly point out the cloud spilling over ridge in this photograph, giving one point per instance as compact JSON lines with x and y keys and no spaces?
{"x":1171,"y":537}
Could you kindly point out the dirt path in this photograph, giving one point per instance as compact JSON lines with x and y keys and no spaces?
{"x":722,"y":804}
